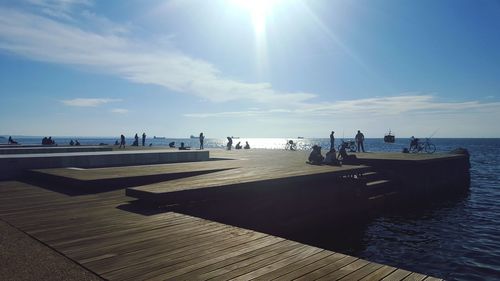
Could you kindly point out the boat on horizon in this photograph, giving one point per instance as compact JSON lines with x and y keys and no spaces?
{"x":159,"y":138}
{"x":193,"y":137}
{"x":389,"y":138}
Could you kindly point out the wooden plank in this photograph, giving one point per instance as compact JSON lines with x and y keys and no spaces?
{"x":328,"y":268}
{"x":362,"y":272}
{"x":398,"y":274}
{"x":295,"y":265}
{"x":380,"y":273}
{"x":299,"y":272}
{"x":345,"y":270}
{"x":415,"y":277}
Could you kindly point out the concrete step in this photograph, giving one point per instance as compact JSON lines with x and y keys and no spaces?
{"x":377,"y":183}
{"x":378,"y":187}
{"x":370,"y":176}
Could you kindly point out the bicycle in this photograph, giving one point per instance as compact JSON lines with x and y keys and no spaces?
{"x":290,"y":145}
{"x":427,"y":146}
{"x":349,"y":145}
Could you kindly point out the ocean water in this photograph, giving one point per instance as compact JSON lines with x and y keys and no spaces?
{"x":457,"y":239}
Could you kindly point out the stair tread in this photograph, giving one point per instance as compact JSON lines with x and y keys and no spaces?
{"x":377,"y":182}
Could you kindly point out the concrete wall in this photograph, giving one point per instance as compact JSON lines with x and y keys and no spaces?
{"x":52,"y":149}
{"x":12,"y":166}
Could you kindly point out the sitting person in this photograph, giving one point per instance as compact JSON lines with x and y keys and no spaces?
{"x":11,"y":141}
{"x":238,"y":145}
{"x":77,"y":142}
{"x":344,"y":157}
{"x":171,"y":144}
{"x":71,"y":142}
{"x":331,"y":159}
{"x":315,"y":157}
{"x":117,"y":142}
{"x":182,"y":147}
{"x":247,"y":146}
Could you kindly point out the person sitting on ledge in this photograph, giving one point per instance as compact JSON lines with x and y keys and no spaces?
{"x":11,"y":141}
{"x":71,"y":142}
{"x":238,"y":145}
{"x":77,"y":142}
{"x":182,"y":147}
{"x":331,"y":159}
{"x":346,"y":158}
{"x":247,"y":146}
{"x":171,"y":144}
{"x":315,"y":157}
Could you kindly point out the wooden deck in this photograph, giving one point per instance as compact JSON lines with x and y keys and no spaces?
{"x":118,"y":240}
{"x":99,"y":232}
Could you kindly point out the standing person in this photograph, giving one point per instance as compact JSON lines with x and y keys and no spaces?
{"x":360,"y":138}
{"x":202,"y":138}
{"x":122,"y":141}
{"x":143,"y":139}
{"x":136,"y":140}
{"x":332,"y":141}
{"x":229,"y":143}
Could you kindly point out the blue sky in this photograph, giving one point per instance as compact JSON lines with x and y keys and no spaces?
{"x":275,"y":68}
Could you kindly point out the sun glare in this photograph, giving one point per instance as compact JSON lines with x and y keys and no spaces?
{"x":259,"y":10}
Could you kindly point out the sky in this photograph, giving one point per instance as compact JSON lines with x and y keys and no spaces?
{"x":275,"y":68}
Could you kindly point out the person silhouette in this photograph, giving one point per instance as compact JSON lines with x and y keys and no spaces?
{"x":360,"y":138}
{"x":247,"y":146}
{"x":122,"y":141}
{"x":332,"y":141}
{"x":238,"y":145}
{"x":229,"y":143}
{"x":143,"y":139}
{"x":202,"y":139}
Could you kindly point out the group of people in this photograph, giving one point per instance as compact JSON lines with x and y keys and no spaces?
{"x":237,"y":146}
{"x":331,"y":157}
{"x":122,"y":141}
{"x":76,"y":142}
{"x":48,"y":141}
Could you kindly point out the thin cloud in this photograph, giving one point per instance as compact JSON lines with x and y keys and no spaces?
{"x":61,"y":9}
{"x":82,"y":102}
{"x":119,"y":110}
{"x":45,"y":39}
{"x":379,"y":106}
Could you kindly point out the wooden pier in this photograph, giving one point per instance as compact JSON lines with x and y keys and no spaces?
{"x":108,"y":233}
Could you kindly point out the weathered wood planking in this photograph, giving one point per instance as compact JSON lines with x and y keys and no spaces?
{"x":121,"y":245}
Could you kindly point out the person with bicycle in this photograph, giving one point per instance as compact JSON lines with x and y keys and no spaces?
{"x":414,"y":142}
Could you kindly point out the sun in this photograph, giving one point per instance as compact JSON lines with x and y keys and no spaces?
{"x":259,"y":10}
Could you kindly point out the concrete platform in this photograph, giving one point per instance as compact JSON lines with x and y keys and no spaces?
{"x":13,"y":165}
{"x":51,"y":149}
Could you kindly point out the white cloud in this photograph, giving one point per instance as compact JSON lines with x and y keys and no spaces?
{"x":82,"y":102}
{"x":60,"y":9}
{"x":119,"y":110}
{"x":370,"y":107}
{"x":44,"y":39}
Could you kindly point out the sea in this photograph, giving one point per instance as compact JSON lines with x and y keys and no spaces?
{"x":455,"y":239}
